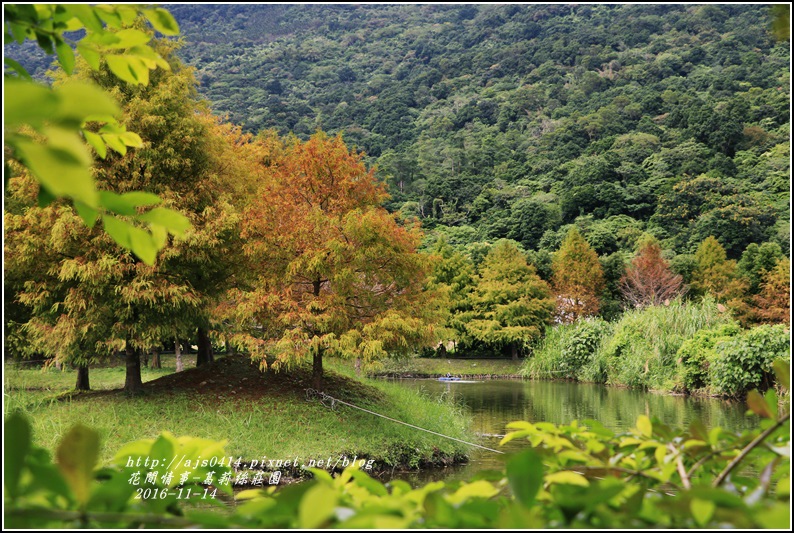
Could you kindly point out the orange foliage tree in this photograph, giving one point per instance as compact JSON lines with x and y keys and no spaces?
{"x":774,"y":303}
{"x":648,"y":280}
{"x":578,"y":278}
{"x":336,"y":273}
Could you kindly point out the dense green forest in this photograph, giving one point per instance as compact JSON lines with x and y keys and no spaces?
{"x":515,"y":121}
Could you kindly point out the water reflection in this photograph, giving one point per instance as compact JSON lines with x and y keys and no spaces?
{"x":495,"y":403}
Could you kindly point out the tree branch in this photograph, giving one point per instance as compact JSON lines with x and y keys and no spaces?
{"x":747,"y":449}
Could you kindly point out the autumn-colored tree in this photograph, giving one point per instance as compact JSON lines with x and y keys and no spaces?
{"x":511,"y":304}
{"x":578,"y":279}
{"x":104,"y":299}
{"x":337,"y":274}
{"x":774,"y":303}
{"x":715,"y":274}
{"x":648,"y":280}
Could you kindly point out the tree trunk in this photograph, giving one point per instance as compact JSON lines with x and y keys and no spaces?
{"x":229,"y":347}
{"x":317,"y":369}
{"x":145,"y":359}
{"x":156,"y":359}
{"x":515,"y":352}
{"x":204,"y":355}
{"x":178,"y":354}
{"x":82,"y":378}
{"x":132,"y":382}
{"x":358,"y":366}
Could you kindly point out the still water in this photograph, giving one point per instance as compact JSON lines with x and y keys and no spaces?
{"x":495,"y":403}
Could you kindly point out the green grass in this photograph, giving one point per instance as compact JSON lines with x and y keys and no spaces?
{"x":442,"y":366}
{"x":279,"y":423}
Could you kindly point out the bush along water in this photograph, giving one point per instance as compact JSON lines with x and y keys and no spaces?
{"x":689,"y":347}
{"x":579,"y":475}
{"x":567,"y":349}
{"x":745,"y":361}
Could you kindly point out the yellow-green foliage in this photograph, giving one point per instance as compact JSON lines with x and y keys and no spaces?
{"x":566,"y":349}
{"x":642,"y":351}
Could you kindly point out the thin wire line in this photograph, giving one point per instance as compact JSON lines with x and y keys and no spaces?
{"x":310,"y":392}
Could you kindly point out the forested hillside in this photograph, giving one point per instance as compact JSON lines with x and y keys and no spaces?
{"x":514,"y":121}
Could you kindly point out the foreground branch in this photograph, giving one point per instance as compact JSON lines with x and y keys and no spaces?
{"x":747,"y":449}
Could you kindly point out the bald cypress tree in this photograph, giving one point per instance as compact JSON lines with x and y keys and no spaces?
{"x":110,"y":298}
{"x":578,"y":279}
{"x":511,"y":304}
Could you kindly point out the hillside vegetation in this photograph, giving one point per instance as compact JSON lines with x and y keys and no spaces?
{"x":514,"y":121}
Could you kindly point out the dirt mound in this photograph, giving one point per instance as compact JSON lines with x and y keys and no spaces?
{"x":236,"y":376}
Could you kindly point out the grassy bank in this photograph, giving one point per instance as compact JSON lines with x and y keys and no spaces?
{"x":421,"y":367}
{"x":260,"y":414}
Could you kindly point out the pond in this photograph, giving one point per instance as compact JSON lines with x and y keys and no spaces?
{"x":494,"y":403}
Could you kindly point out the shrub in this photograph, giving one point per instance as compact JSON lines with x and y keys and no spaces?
{"x":567,"y":348}
{"x":642,"y":351}
{"x":745,"y":362}
{"x":697,"y":354}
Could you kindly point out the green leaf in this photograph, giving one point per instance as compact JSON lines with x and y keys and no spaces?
{"x":477,"y":489}
{"x":90,"y":54}
{"x":250,"y":494}
{"x":88,"y":214}
{"x":159,"y":236}
{"x":782,"y":372}
{"x":128,"y":38}
{"x":142,"y":245}
{"x":87,"y":15}
{"x":16,"y":445}
{"x":316,"y":506}
{"x":175,"y":222}
{"x":77,"y":455}
{"x":372,"y":485}
{"x":19,"y":31}
{"x":45,"y":42}
{"x":702,"y":511}
{"x":139,"y":198}
{"x":567,"y":477}
{"x":119,"y":65}
{"x":96,"y":143}
{"x":162,"y":21}
{"x":645,"y":426}
{"x":758,"y":405}
{"x":26,"y":102}
{"x":771,"y":401}
{"x":116,"y":203}
{"x":62,"y":165}
{"x":18,"y":68}
{"x":118,"y":230}
{"x":127,"y":203}
{"x":45,"y":197}
{"x":65,"y":56}
{"x":525,"y":476}
{"x":130,"y":138}
{"x":79,"y":101}
{"x":114,"y":142}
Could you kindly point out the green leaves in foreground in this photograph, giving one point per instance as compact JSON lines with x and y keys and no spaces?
{"x":47,"y":129}
{"x":572,"y":476}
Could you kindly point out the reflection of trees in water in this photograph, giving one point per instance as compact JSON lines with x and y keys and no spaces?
{"x":495,"y":403}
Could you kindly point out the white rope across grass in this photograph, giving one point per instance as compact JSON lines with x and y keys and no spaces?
{"x":312,"y":394}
